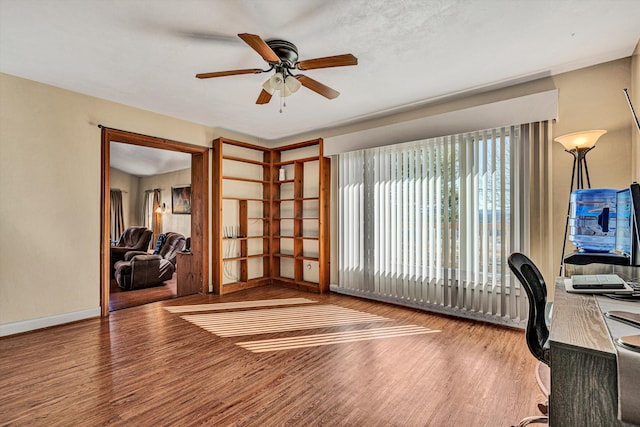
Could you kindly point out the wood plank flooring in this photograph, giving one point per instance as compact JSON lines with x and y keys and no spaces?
{"x":119,"y":298}
{"x":147,"y":366}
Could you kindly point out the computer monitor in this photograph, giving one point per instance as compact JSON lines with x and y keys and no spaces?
{"x":627,"y":221}
{"x":624,"y":222}
{"x":634,"y":189}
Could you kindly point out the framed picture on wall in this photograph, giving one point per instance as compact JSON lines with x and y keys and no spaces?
{"x":181,"y":199}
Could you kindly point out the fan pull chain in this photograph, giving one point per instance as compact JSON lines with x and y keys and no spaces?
{"x":281,"y":97}
{"x":284,"y":87}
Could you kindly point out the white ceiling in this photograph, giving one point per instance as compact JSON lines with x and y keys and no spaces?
{"x":144,"y":161}
{"x":145,"y":53}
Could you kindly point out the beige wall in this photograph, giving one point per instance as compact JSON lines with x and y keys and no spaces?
{"x":128,"y":184}
{"x":50,"y":173}
{"x":170,"y":222}
{"x":634,"y":90}
{"x":134,"y":188}
{"x":591,"y":98}
{"x":50,"y":192}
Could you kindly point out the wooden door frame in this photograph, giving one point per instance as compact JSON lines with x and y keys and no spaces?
{"x":199,"y":203}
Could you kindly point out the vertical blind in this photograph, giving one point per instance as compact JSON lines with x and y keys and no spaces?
{"x":431,"y":223}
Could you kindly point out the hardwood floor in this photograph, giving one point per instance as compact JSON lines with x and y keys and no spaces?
{"x":146,"y":366}
{"x":119,"y":298}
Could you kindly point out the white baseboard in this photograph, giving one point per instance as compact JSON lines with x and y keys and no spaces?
{"x":45,"y":322}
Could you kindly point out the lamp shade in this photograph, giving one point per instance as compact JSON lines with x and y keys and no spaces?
{"x":292,"y":84}
{"x":286,"y":85}
{"x":267,"y":86}
{"x":577,"y":140}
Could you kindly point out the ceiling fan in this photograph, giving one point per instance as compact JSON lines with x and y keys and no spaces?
{"x":282,"y":56}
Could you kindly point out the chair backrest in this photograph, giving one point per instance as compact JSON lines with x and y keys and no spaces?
{"x":159,"y":243}
{"x":173,"y":243}
{"x":136,"y":238}
{"x":537,"y":332}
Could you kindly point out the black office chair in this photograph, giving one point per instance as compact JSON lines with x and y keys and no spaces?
{"x":537,"y":332}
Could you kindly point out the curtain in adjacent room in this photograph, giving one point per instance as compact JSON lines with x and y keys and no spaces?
{"x":117,"y":215}
{"x":156,"y":223}
{"x":431,"y":223}
{"x":147,"y":209}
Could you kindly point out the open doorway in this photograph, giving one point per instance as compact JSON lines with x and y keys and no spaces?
{"x":143,"y":183}
{"x":198,"y":210}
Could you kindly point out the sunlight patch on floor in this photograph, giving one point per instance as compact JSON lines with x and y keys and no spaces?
{"x":267,"y":317}
{"x":289,"y":343}
{"x":236,"y":305}
{"x":251,"y":322}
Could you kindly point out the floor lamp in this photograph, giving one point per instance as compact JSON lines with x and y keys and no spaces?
{"x":577,"y":144}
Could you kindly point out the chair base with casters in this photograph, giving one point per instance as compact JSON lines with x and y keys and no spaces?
{"x":537,"y":331}
{"x":543,"y":379}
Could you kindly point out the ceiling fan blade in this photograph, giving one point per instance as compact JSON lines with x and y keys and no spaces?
{"x":328,"y":62}
{"x":260,"y":46}
{"x":264,"y":97}
{"x":229,"y":73}
{"x":318,"y":87}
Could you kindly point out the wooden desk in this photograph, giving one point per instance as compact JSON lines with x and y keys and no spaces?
{"x":584,"y":382}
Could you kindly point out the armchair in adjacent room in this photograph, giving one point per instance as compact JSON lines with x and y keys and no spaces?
{"x":133,"y":239}
{"x":140,"y":270}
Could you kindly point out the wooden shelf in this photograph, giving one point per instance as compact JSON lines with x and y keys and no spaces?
{"x":301,"y":257}
{"x":296,"y":237}
{"x":296,"y":199}
{"x":303,"y":160}
{"x":291,"y":218}
{"x":246,"y":238}
{"x":241,"y":144}
{"x":272,"y":193}
{"x":284,"y":256}
{"x":240,"y":258}
{"x":244,"y":198}
{"x":240,"y":159}
{"x":238,"y":178}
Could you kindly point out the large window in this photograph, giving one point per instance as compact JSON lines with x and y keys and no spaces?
{"x":431,"y":223}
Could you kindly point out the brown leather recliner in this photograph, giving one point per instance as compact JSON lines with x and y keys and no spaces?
{"x":140,"y":270}
{"x":133,"y":239}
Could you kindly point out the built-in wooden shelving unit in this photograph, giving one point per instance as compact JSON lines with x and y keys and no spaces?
{"x":290,"y":216}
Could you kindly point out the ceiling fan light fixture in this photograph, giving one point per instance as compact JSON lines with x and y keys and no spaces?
{"x":267,"y":86}
{"x":292,"y":84}
{"x":282,"y":57}
{"x":285,"y":85}
{"x":277,"y":81}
